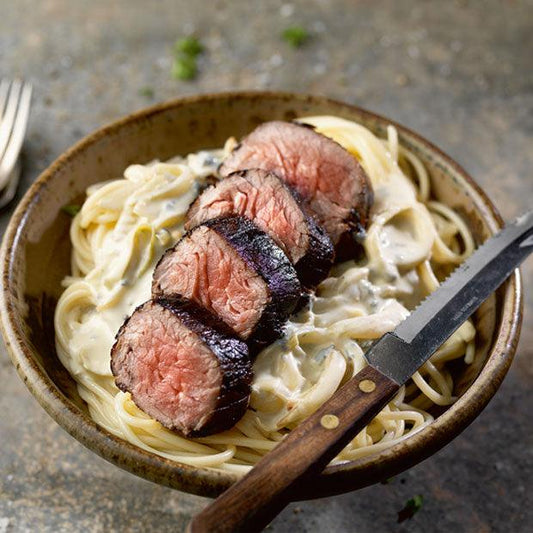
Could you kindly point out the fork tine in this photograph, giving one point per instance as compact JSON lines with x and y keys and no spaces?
{"x":4,"y":87}
{"x":7,"y":162}
{"x":9,"y":116}
{"x":10,"y":190}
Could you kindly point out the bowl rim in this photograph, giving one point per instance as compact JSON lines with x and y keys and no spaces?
{"x":204,"y":481}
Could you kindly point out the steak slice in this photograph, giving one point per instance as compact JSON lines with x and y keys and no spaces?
{"x":268,"y":202}
{"x":331,"y":180}
{"x":236,"y":271}
{"x":182,"y":367}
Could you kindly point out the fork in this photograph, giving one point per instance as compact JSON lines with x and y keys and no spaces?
{"x":15,"y":99}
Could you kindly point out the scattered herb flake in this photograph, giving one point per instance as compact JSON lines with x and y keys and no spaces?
{"x":412,"y":506}
{"x":184,"y":68}
{"x":71,"y":209}
{"x":189,"y":46}
{"x":296,"y":36}
{"x":147,"y":92}
{"x":186,"y":51}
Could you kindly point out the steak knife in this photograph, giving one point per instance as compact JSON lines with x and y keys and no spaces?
{"x":251,"y":503}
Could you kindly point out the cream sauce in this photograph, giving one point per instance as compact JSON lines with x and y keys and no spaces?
{"x":151,"y":222}
{"x":324,"y":345}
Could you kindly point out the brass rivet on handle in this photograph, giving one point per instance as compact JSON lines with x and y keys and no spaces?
{"x":329,"y":421}
{"x":367,"y":385}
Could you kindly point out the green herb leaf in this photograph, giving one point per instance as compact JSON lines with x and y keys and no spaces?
{"x":147,"y":92}
{"x":184,"y":68}
{"x":412,"y":506}
{"x":189,"y":46}
{"x":186,"y":51}
{"x":296,"y":36}
{"x":71,"y":209}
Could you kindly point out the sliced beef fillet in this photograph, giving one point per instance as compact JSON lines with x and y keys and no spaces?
{"x":329,"y":178}
{"x":268,"y":202}
{"x":235,"y":270}
{"x":182,"y":367}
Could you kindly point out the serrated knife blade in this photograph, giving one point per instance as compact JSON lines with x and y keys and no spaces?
{"x":399,"y":354}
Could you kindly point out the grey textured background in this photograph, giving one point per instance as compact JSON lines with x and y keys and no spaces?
{"x":458,"y":72}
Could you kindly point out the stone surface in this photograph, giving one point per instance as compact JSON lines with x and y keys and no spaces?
{"x":458,"y":72}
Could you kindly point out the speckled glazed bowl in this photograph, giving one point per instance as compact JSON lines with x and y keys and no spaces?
{"x":36,"y":250}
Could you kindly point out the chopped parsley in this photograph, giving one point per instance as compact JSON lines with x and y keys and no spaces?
{"x":186,"y":52}
{"x":184,"y":68}
{"x":412,"y":506}
{"x":71,"y":209}
{"x":295,"y":36}
{"x":189,"y":46}
{"x":147,"y":92}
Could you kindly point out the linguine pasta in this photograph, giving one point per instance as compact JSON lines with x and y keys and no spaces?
{"x":412,"y":242}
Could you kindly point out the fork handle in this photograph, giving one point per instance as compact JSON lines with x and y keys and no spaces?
{"x":251,"y":503}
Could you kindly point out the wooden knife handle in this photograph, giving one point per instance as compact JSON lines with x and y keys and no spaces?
{"x":251,"y":503}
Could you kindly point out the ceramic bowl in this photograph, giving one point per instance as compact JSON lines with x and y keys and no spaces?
{"x":35,"y":257}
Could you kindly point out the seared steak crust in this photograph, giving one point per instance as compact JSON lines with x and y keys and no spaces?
{"x":226,"y":360}
{"x":262,"y":254}
{"x":267,"y":289}
{"x":276,"y":209}
{"x":331,"y":180}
